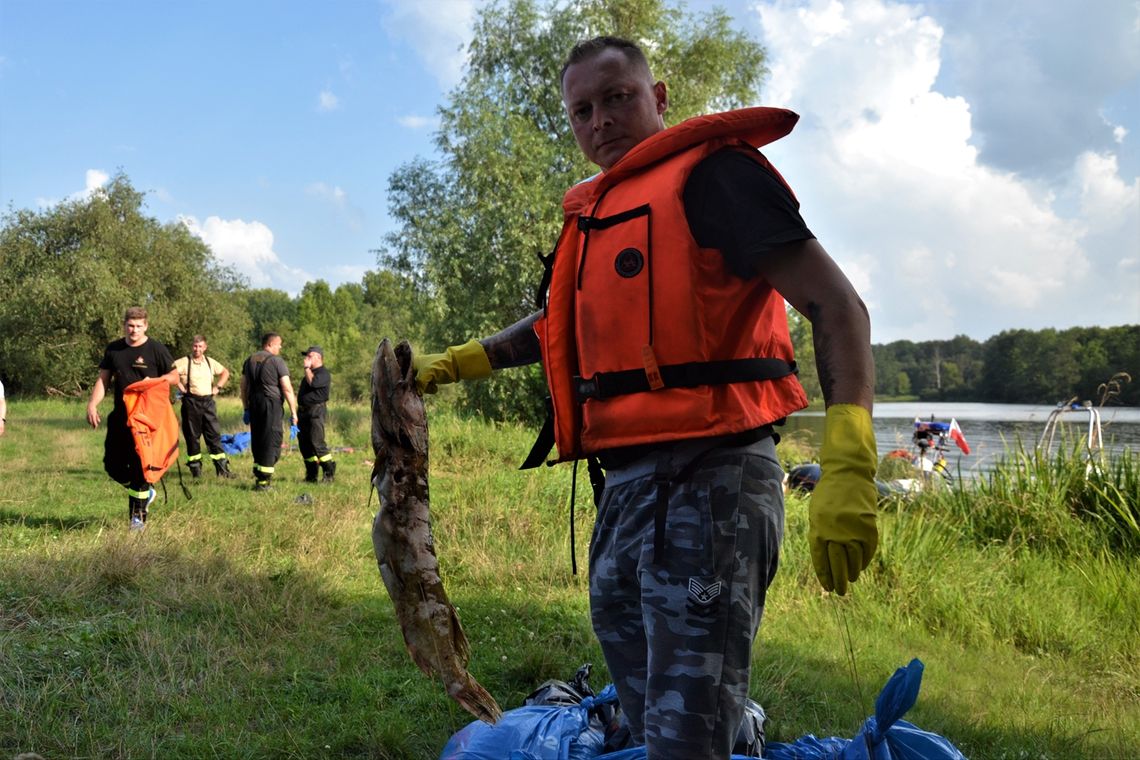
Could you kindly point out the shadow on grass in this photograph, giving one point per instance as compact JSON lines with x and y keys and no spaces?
{"x":8,"y":517}
{"x":805,"y":686}
{"x":268,"y":661}
{"x":214,"y":658}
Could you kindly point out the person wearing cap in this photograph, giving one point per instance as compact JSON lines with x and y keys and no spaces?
{"x":200,"y":378}
{"x":312,"y":400}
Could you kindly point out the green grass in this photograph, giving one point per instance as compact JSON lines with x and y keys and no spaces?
{"x":244,"y":625}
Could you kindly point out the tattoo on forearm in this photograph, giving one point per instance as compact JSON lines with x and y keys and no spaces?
{"x":515,"y":346}
{"x":824,"y":355}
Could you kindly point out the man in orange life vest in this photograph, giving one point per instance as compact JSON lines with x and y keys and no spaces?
{"x":127,"y":360}
{"x":672,"y":382}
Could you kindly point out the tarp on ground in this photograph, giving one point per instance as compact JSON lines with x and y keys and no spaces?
{"x":236,"y":443}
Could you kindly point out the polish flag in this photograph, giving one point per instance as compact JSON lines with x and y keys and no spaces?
{"x":959,"y":438}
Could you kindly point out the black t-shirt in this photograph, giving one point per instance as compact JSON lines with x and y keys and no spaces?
{"x":316,"y":392}
{"x":129,"y":364}
{"x":263,"y":372}
{"x":736,"y":205}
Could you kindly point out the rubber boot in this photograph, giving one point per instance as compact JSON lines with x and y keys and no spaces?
{"x":222,"y":467}
{"x":311,"y":470}
{"x":329,"y":467}
{"x":195,"y":469}
{"x":137,"y":510}
{"x":263,"y":482}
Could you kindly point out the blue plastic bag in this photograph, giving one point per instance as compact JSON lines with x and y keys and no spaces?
{"x":534,"y":732}
{"x":884,"y":736}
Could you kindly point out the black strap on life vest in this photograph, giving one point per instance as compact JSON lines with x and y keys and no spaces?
{"x":547,"y":274}
{"x":605,"y":385}
{"x":545,"y":441}
{"x":587,"y":223}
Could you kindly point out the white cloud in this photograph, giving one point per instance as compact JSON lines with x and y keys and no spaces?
{"x":412,"y":121}
{"x":327,"y":101}
{"x":331,"y":192}
{"x":938,"y":242}
{"x":248,"y":248}
{"x":437,"y":31}
{"x":94,"y":179}
{"x":1038,"y":74}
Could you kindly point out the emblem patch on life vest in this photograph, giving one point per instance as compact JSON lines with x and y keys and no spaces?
{"x":629,"y":262}
{"x":702,"y":593}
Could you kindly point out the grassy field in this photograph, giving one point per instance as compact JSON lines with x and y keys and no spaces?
{"x":243,"y":625}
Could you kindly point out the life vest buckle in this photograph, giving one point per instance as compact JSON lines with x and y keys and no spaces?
{"x":652,"y":371}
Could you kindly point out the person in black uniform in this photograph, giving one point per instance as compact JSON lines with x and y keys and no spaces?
{"x":312,"y":399}
{"x":196,"y":383}
{"x":127,"y":360}
{"x":264,"y":380}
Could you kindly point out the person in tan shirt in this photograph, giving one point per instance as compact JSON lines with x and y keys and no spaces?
{"x":200,"y":378}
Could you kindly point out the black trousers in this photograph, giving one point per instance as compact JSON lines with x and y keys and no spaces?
{"x":120,"y":457}
{"x":265,"y":431}
{"x":200,"y":419}
{"x":311,"y":435}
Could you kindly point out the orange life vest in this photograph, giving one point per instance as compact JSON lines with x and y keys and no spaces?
{"x":645,"y":336}
{"x":153,"y":425}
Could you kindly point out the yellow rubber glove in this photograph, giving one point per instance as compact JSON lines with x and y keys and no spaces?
{"x":466,"y":362}
{"x":842,"y":533}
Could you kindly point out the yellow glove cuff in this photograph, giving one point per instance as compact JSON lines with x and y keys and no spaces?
{"x":471,"y":362}
{"x":849,"y":442}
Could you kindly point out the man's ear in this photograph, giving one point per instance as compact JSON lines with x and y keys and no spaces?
{"x":661,"y":95}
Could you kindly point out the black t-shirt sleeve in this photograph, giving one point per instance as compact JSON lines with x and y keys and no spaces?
{"x":737,"y":206}
{"x":163,"y":361}
{"x":108,"y":360}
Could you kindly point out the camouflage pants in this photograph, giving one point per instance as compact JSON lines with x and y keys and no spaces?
{"x":677,"y":633}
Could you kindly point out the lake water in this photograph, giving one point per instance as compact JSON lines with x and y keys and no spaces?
{"x":989,"y":428}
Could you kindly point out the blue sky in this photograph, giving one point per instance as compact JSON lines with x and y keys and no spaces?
{"x":971,"y":165}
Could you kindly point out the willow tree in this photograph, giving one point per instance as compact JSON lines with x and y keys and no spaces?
{"x":69,"y":272}
{"x":473,"y":221}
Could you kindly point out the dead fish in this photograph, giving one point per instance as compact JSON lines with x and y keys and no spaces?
{"x":402,"y":538}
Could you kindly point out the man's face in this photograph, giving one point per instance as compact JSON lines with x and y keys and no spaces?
{"x":198,"y":349}
{"x":135,"y":331}
{"x":313,"y":360}
{"x":613,"y":104}
{"x":274,"y":346}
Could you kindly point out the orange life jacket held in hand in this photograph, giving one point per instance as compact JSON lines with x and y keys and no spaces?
{"x":153,"y":425}
{"x":645,"y":336}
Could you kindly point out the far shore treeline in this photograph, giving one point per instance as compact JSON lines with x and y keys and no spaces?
{"x":69,"y":272}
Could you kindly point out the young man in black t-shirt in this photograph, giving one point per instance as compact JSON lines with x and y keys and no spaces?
{"x":128,"y":360}
{"x":264,"y":380}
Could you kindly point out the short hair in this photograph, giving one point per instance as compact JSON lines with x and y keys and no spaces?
{"x":268,"y":337}
{"x":198,"y":339}
{"x":587,"y":49}
{"x":135,"y":312}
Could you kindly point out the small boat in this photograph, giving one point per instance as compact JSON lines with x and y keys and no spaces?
{"x":932,"y":439}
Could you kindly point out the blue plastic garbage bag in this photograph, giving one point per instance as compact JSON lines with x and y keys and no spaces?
{"x":236,"y":443}
{"x":884,"y":736}
{"x":534,"y":732}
